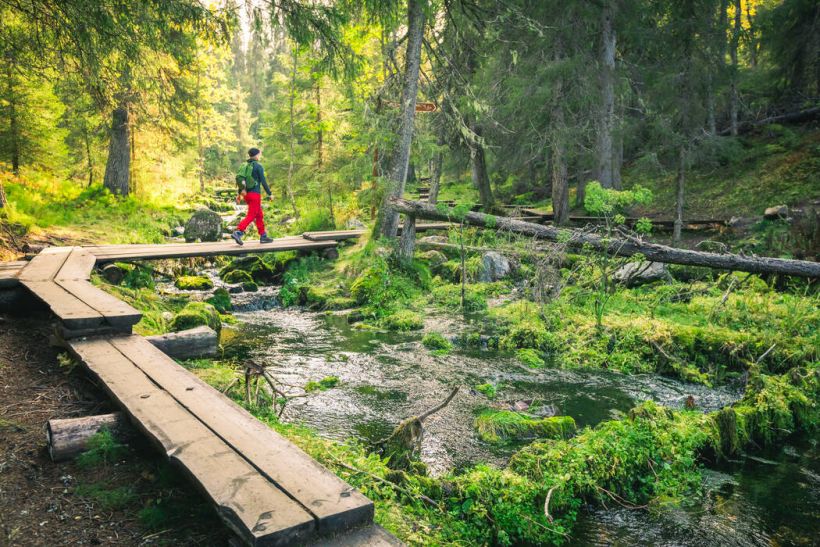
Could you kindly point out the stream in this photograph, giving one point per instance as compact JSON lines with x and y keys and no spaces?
{"x":763,"y":499}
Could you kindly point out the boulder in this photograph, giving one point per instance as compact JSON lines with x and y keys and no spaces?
{"x":778,"y":211}
{"x":204,"y":225}
{"x":494,"y":267}
{"x":354,"y":224}
{"x":258,"y":270}
{"x":638,"y":273}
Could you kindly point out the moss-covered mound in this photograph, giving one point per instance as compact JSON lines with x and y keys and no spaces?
{"x":435,"y":341}
{"x":221,"y":300}
{"x":195,"y":314}
{"x":260,"y":271}
{"x":193,"y":283}
{"x":499,"y":426}
{"x":404,"y":320}
{"x":236,"y":276}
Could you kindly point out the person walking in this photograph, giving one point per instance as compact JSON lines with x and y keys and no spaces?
{"x":249,"y":179}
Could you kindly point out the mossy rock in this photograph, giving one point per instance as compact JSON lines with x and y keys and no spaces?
{"x":404,"y":320}
{"x":324,"y":384}
{"x":261,"y":272}
{"x":500,"y":426}
{"x":435,"y":341}
{"x":193,"y":283}
{"x":204,"y":225}
{"x":196,"y":314}
{"x":250,"y":286}
{"x":530,"y":357}
{"x":237,"y":276}
{"x":324,"y":298}
{"x":221,"y":300}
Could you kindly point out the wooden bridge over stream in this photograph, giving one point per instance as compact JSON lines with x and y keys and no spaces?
{"x":267,"y":490}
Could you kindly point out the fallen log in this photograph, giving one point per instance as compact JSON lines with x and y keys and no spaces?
{"x":68,"y":437}
{"x":623,"y":246}
{"x":801,"y":116}
{"x":197,"y":342}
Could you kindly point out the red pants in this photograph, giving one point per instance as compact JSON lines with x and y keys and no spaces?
{"x":254,"y":202}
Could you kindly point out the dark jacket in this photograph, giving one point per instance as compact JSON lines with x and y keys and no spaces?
{"x":258,"y":175}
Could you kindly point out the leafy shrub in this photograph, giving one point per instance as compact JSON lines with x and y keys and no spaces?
{"x":488,"y":390}
{"x":606,"y":201}
{"x":137,"y":277}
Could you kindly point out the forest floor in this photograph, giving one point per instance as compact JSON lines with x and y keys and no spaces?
{"x":134,"y":499}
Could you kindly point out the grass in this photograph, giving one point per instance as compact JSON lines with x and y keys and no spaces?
{"x":44,"y":204}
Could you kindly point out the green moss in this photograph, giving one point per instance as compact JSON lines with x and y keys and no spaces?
{"x":499,"y":426}
{"x":324,"y":384}
{"x":435,"y":341}
{"x":195,"y":314}
{"x":404,"y":320}
{"x":488,"y":390}
{"x":193,"y":283}
{"x":250,"y":286}
{"x":221,"y":300}
{"x":254,"y":266}
{"x":530,"y":357}
{"x":237,"y":276}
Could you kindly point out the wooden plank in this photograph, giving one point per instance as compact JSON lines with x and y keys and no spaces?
{"x":226,"y":249}
{"x":73,"y":312}
{"x":45,"y":265}
{"x":116,"y":313}
{"x":248,"y":503}
{"x":78,"y":265}
{"x":333,"y":502}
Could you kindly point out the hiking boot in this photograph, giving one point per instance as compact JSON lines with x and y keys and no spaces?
{"x":265,"y":239}
{"x":237,"y":236}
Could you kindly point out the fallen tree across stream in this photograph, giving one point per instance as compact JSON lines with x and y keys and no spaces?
{"x":617,"y":246}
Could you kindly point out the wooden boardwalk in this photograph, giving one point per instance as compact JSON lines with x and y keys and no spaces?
{"x":267,"y":490}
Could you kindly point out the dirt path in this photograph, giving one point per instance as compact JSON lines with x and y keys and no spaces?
{"x":136,"y":500}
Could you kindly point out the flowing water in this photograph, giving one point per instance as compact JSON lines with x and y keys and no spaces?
{"x":771,"y":499}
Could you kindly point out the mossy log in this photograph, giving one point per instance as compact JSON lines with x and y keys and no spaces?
{"x":624,"y":246}
{"x":67,"y":438}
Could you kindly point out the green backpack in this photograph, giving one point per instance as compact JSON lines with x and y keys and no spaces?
{"x":244,"y":177}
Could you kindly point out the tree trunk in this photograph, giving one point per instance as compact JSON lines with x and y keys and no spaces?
{"x":606,"y":122}
{"x":292,"y":136}
{"x":89,"y":157}
{"x":14,"y":124}
{"x":435,"y":173}
{"x":199,"y":148}
{"x":478,"y":168}
{"x":630,"y":246}
{"x":679,"y":195}
{"x":388,"y":222}
{"x":117,"y":168}
{"x":197,"y":342}
{"x":711,"y":122}
{"x":618,"y":158}
{"x":752,"y":36}
{"x":733,"y":94}
{"x":320,"y":147}
{"x":69,"y":438}
{"x":580,"y":185}
{"x":2,"y":196}
{"x":407,"y":242}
